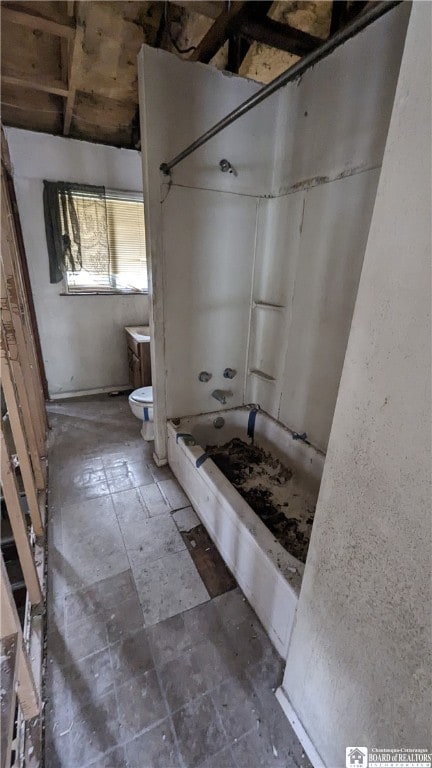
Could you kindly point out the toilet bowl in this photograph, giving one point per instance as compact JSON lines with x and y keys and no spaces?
{"x":141,"y":405}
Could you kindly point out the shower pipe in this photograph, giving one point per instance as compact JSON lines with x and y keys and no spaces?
{"x":361,"y":21}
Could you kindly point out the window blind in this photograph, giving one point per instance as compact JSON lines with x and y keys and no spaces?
{"x":126,"y":238}
{"x":107,"y":250}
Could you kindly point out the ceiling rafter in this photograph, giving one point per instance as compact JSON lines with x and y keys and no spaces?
{"x":217,"y":34}
{"x":73,"y":69}
{"x":249,"y":22}
{"x":39,"y":83}
{"x":278,"y":35}
{"x":52,"y":81}
{"x":35,"y":21}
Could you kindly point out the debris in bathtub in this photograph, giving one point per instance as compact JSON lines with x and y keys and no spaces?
{"x":270,"y":487}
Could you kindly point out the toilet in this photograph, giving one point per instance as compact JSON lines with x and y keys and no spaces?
{"x":141,"y":405}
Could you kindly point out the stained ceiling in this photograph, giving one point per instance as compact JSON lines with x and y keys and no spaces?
{"x":69,"y":68}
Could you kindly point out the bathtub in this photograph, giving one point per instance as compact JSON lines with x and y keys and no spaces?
{"x":269,"y":576}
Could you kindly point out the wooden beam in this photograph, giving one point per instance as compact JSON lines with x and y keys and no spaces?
{"x":338,"y":15}
{"x":237,"y":50}
{"x":9,"y":348}
{"x":217,"y":34}
{"x":16,"y":322}
{"x":26,"y":689}
{"x":9,"y":191}
{"x":18,"y":525}
{"x":76,"y":50}
{"x":278,"y":35}
{"x":9,"y":651}
{"x":39,"y":83}
{"x":34,"y":21}
{"x":21,"y":446}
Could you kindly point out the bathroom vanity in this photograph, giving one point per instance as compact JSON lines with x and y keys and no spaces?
{"x":138,"y":350}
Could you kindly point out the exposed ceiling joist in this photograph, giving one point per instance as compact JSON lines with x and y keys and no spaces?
{"x":343,"y":12}
{"x":237,"y":50}
{"x":279,"y":35}
{"x":39,"y":83}
{"x":83,"y":83}
{"x":75,"y":55}
{"x":338,"y":15}
{"x":34,"y":21}
{"x":217,"y":34}
{"x":238,"y":44}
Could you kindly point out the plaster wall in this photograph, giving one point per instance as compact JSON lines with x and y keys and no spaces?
{"x":358,"y":668}
{"x":82,"y":337}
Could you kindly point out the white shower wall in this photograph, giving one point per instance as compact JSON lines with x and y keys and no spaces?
{"x":309,"y":258}
{"x":290,"y":229}
{"x":311,"y":238}
{"x":201,"y":229}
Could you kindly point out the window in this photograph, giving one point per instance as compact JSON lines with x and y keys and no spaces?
{"x":96,"y":239}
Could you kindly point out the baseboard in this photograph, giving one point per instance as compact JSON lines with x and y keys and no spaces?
{"x":298,"y":729}
{"x":84,"y":392}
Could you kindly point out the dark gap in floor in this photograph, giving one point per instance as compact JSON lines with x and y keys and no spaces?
{"x":208,"y":562}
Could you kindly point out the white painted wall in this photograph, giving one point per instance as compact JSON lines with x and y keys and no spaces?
{"x":358,"y":669}
{"x":82,"y":337}
{"x":332,"y":128}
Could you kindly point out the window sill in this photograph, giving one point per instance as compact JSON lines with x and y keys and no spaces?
{"x":106,"y":293}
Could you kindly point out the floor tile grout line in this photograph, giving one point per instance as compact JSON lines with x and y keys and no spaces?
{"x":168,"y":709}
{"x":130,"y":564}
{"x":246,"y":671}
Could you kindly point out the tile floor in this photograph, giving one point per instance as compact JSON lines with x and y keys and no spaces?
{"x":144,"y":669}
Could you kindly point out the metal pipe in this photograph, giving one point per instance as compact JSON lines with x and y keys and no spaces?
{"x":357,"y":25}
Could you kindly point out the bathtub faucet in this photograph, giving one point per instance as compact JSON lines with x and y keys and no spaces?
{"x":221,"y":395}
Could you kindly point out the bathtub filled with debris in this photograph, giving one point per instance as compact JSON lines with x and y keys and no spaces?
{"x":254,"y":484}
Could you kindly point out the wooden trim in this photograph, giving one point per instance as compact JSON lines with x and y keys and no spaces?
{"x":73,"y":77}
{"x":21,"y":447}
{"x":28,"y":19}
{"x":40,"y":83}
{"x":18,"y":525}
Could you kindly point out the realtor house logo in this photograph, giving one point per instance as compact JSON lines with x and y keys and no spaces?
{"x":356,"y":757}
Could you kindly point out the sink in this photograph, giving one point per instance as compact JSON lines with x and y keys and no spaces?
{"x":139,"y":332}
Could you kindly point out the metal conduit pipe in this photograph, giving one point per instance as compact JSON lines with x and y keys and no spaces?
{"x":368,"y":16}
